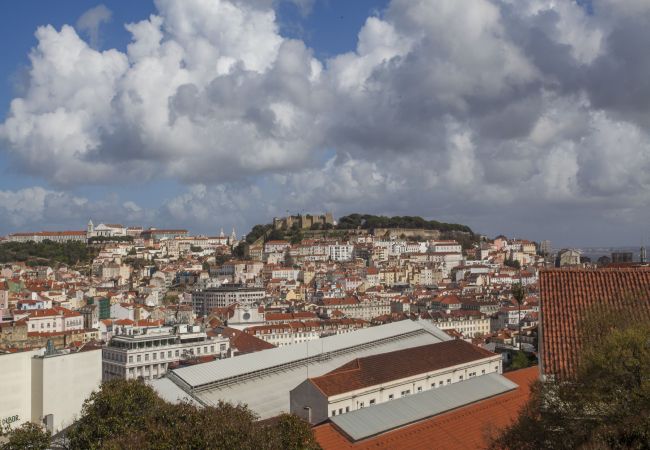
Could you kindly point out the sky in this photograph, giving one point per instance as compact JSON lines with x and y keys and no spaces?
{"x":527,"y":118}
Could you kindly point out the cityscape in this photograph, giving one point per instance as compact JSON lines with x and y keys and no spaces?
{"x":317,"y":224}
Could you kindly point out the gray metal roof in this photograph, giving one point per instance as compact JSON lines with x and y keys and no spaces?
{"x":377,"y":419}
{"x":220,"y":370}
{"x":263,"y":380}
{"x":170,"y":392}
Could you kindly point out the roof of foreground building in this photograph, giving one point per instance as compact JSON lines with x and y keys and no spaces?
{"x":459,"y":416}
{"x":263,"y":380}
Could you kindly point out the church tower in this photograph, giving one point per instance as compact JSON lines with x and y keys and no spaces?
{"x":233,"y":237}
{"x":90,"y":229}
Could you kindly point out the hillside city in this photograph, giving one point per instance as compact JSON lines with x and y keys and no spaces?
{"x":324,"y":225}
{"x":277,"y":318}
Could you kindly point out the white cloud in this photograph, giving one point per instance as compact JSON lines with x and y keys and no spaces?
{"x":453,"y":107}
{"x":91,"y":20}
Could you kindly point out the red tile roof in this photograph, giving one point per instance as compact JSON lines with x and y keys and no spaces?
{"x":466,"y":428}
{"x":385,"y":367}
{"x":567,"y":294}
{"x":244,"y":342}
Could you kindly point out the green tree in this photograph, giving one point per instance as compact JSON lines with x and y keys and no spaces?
{"x":128,"y":414}
{"x":520,"y":361}
{"x":26,"y":437}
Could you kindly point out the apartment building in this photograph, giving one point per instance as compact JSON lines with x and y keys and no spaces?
{"x":147,"y":352}
{"x":221,"y":297}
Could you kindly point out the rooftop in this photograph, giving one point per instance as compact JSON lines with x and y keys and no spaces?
{"x":385,"y":367}
{"x":567,"y":294}
{"x":466,"y":427}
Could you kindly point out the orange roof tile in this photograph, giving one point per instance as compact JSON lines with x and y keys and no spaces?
{"x":567,"y":294}
{"x":385,"y":367}
{"x":466,"y":428}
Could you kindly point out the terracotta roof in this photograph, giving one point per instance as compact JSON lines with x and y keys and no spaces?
{"x":53,"y":312}
{"x":244,"y":342}
{"x":385,"y":367}
{"x":567,"y":294}
{"x":465,"y":428}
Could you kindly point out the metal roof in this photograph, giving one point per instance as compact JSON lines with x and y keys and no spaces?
{"x":168,"y":391}
{"x":392,"y":414}
{"x":263,"y":380}
{"x":220,"y":370}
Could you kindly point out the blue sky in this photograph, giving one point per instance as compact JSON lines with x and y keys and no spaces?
{"x":511,"y":117}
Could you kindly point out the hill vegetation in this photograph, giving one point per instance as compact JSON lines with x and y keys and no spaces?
{"x":45,"y":253}
{"x":370,"y":222}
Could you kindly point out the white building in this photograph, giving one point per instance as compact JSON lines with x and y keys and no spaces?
{"x":47,"y":389}
{"x":146,"y":353}
{"x":341,"y":252}
{"x":222,"y":297}
{"x":365,"y":382}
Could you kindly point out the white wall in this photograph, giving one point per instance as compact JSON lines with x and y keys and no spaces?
{"x":61,"y":383}
{"x":15,"y":387}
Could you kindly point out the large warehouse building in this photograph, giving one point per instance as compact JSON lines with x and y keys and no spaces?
{"x":263,"y":380}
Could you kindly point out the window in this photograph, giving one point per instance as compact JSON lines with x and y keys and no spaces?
{"x":361,"y":405}
{"x":448,"y":380}
{"x":372,"y":402}
{"x":340,"y":410}
{"x":483,"y":371}
{"x":419,"y":388}
{"x":169,"y":354}
{"x":139,"y":358}
{"x":333,"y":412}
{"x":130,"y":359}
{"x":460,"y":377}
{"x":347,"y":409}
{"x":433,"y":385}
{"x":177,"y":353}
{"x":146,"y":357}
{"x":390,"y":397}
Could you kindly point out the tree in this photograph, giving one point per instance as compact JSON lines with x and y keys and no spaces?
{"x":26,"y":437}
{"x":606,"y":404}
{"x":128,"y":414}
{"x":519,"y":361}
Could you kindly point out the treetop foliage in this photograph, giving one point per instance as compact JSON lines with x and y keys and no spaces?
{"x":47,"y":252}
{"x":369,"y":221}
{"x":128,"y":414}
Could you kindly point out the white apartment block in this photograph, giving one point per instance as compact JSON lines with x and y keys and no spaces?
{"x":147,"y":353}
{"x":341,"y":252}
{"x":220,"y":297}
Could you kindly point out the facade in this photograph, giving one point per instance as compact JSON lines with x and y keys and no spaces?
{"x":54,"y":236}
{"x":147,"y":353}
{"x":47,"y":389}
{"x":221,"y":297}
{"x":341,"y":252}
{"x":303,"y":221}
{"x":469,"y":323}
{"x":296,"y":332}
{"x":352,"y":308}
{"x":365,"y":382}
{"x":159,"y":234}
